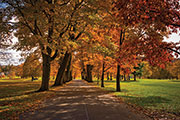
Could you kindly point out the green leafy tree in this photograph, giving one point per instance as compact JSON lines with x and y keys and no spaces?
{"x":138,"y":71}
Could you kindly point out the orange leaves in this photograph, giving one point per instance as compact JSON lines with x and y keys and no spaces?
{"x":145,"y":16}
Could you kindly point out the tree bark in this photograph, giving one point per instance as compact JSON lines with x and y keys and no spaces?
{"x":102,"y":77}
{"x":65,"y":76}
{"x":46,"y":73}
{"x":69,"y":70}
{"x":61,"y":70}
{"x":89,"y":73}
{"x":118,"y":89}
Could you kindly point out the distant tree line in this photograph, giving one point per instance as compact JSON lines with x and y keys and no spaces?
{"x":170,"y":71}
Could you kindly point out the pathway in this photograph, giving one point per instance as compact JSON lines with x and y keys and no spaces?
{"x":81,"y":101}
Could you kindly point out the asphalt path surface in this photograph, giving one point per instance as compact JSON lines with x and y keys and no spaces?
{"x":79,"y":100}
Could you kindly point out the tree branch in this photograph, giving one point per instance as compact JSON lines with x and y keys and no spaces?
{"x":173,"y":50}
{"x":55,"y":55}
{"x":107,"y":68}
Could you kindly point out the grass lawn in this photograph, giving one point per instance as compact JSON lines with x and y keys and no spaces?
{"x":150,"y":93}
{"x":17,"y":95}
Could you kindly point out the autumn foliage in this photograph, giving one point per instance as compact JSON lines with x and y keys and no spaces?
{"x":109,"y":36}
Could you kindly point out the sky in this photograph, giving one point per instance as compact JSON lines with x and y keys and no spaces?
{"x":173,"y":38}
{"x":16,"y":57}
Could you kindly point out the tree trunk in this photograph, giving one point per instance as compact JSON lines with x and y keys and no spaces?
{"x":124,"y":77}
{"x":65,"y":76}
{"x":83,"y":74}
{"x":89,"y":73}
{"x":102,"y":77}
{"x":98,"y":77}
{"x":69,"y":70}
{"x":61,"y":70}
{"x":71,"y":77}
{"x":46,"y":73}
{"x":107,"y":75}
{"x":128,"y":77}
{"x":135,"y":77}
{"x":118,"y":79}
{"x":111,"y":76}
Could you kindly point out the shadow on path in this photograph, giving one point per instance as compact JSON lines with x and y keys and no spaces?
{"x":81,"y":101}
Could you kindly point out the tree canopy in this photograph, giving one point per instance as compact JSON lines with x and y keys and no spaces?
{"x":117,"y":32}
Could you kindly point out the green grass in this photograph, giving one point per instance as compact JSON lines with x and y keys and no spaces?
{"x":150,"y":93}
{"x":17,"y":95}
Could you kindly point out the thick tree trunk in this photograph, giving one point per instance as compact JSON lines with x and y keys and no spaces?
{"x":46,"y":73}
{"x":69,"y":76}
{"x":111,"y":76}
{"x":61,"y":70}
{"x":102,"y":77}
{"x":89,"y":73}
{"x":118,"y":89}
{"x":65,"y":76}
{"x":107,"y":75}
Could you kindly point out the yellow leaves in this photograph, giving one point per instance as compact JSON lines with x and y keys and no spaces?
{"x":71,"y":45}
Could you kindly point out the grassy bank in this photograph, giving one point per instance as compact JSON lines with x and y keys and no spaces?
{"x":150,"y":93}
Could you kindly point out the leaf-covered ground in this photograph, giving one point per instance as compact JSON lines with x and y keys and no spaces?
{"x":157,"y":95}
{"x":18,"y":95}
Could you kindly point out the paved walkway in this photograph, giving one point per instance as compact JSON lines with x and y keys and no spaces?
{"x":80,"y":101}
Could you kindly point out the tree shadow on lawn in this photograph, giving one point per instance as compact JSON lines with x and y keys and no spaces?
{"x":146,"y":101}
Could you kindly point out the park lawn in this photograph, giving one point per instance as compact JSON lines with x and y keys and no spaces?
{"x":17,"y":95}
{"x":161,"y":95}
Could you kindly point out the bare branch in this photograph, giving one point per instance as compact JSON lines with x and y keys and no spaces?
{"x":173,"y":50}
